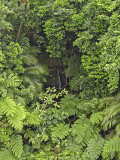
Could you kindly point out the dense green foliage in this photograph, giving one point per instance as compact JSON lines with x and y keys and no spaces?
{"x":81,"y":119}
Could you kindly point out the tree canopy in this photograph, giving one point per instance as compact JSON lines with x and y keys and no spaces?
{"x":59,"y":79}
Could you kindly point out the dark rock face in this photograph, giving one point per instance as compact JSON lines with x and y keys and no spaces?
{"x":54,"y":62}
{"x":54,"y":66}
{"x":54,"y":78}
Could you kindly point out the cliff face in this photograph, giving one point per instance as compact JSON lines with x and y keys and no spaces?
{"x":54,"y":67}
{"x":53,"y":62}
{"x":54,"y":78}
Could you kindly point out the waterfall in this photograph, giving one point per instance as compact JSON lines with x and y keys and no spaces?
{"x":59,"y":79}
{"x":54,"y":78}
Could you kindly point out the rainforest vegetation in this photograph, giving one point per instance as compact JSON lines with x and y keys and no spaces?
{"x":59,"y":79}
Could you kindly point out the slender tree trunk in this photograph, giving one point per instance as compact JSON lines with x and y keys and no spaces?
{"x":20,"y":27}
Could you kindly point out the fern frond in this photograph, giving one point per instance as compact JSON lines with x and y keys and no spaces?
{"x":26,"y":152}
{"x":14,"y":113}
{"x":29,"y":59}
{"x":69,"y":104}
{"x":96,"y":118}
{"x":6,"y":155}
{"x":112,"y":115}
{"x":34,"y":76}
{"x":111,"y":147}
{"x":16,"y":145}
{"x":36,"y":70}
{"x":33,"y":118}
{"x":28,"y":133}
{"x":17,"y":120}
{"x":20,"y":100}
{"x":60,"y":131}
{"x":10,"y":81}
{"x":83,"y":131}
{"x":7,"y":106}
{"x":94,"y":148}
{"x":118,"y":156}
{"x":3,"y":91}
{"x":118,"y":129}
{"x":33,"y":50}
{"x":112,"y":111}
{"x":37,"y":86}
{"x":28,"y":80}
{"x":76,"y":83}
{"x":84,"y":156}
{"x":111,"y":122}
{"x":105,"y":102}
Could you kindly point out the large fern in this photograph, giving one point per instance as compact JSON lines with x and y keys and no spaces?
{"x":112,"y":117}
{"x":34,"y":75}
{"x":105,"y":102}
{"x":111,"y":111}
{"x":97,"y":117}
{"x":35,"y":72}
{"x":95,"y":147}
{"x":69,"y":104}
{"x":83,"y":141}
{"x":60,"y":131}
{"x":83,"y":131}
{"x":10,"y":80}
{"x":15,"y":150}
{"x":8,"y":83}
{"x":29,"y":60}
{"x":17,"y":120}
{"x":14,"y":113}
{"x":7,"y":106}
{"x":16,"y":145}
{"x":33,"y":118}
{"x":111,"y":147}
{"x":6,"y":154}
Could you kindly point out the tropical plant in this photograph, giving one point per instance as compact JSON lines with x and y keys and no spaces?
{"x":82,"y":119}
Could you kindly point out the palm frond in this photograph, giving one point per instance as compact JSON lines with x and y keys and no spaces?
{"x":37,"y":70}
{"x":29,"y":60}
{"x":94,"y":148}
{"x":105,"y":102}
{"x":97,"y":117}
{"x":111,"y":113}
{"x":111,"y":147}
{"x":111,"y":122}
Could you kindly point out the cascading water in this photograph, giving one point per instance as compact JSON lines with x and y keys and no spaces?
{"x":54,"y":78}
